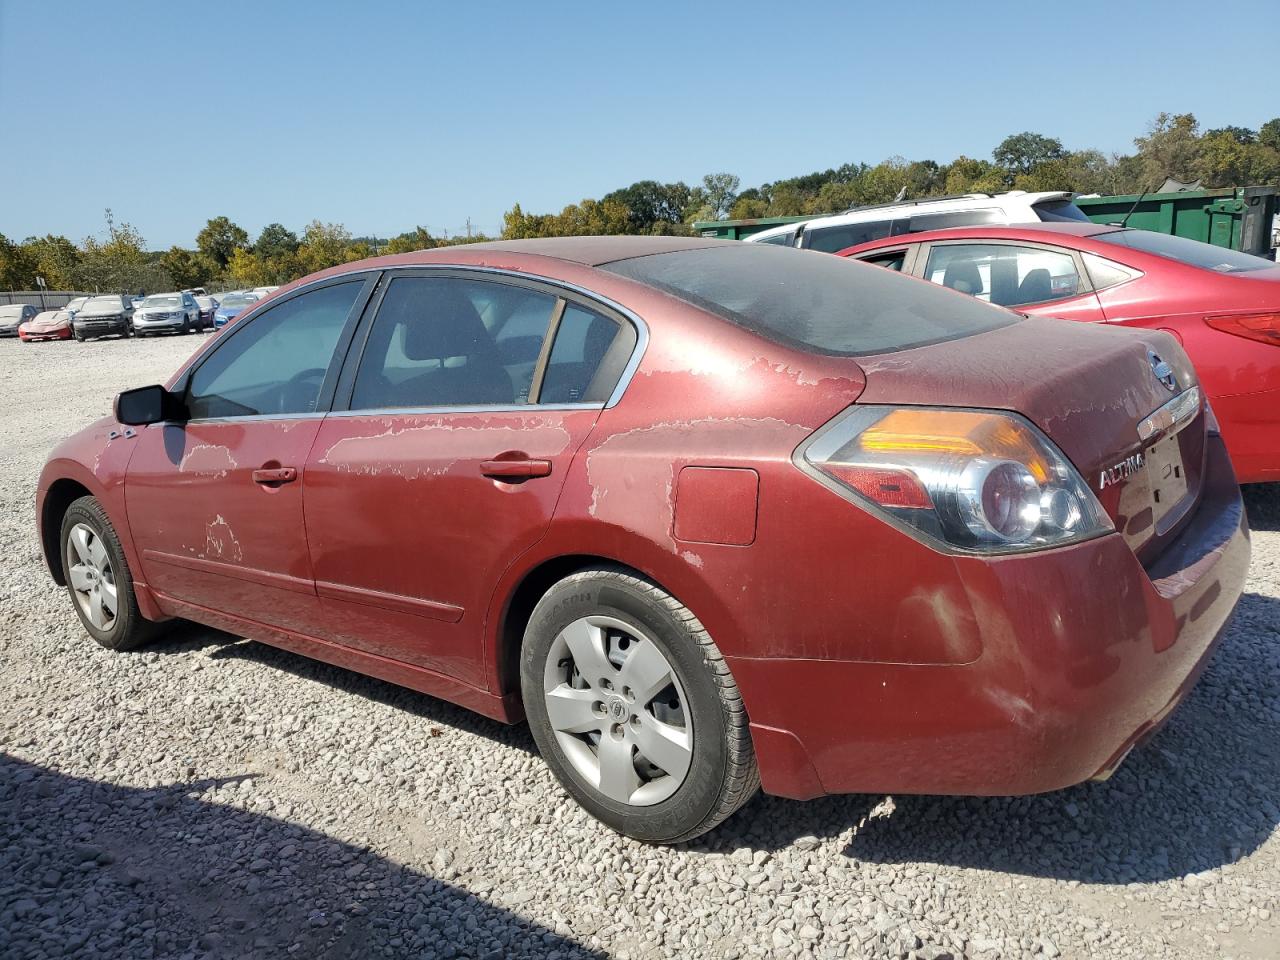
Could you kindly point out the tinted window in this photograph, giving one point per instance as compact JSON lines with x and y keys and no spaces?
{"x":1103,"y":273}
{"x":1060,"y":211}
{"x":1191,"y":252}
{"x":445,"y":341}
{"x":813,"y":302}
{"x":955,"y":218}
{"x":890,"y":261}
{"x":1004,"y":274}
{"x":834,"y":238}
{"x":582,"y":341}
{"x":276,"y":362}
{"x":781,"y":239}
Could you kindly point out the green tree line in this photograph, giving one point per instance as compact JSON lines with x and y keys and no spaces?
{"x":224,"y":253}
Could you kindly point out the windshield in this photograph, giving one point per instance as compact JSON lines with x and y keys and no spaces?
{"x":172,"y":300}
{"x":814,"y":301}
{"x":1060,"y":211}
{"x":1191,"y":252}
{"x":103,"y":303}
{"x":237,"y":300}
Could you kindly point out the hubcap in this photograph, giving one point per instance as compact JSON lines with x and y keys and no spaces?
{"x":92,"y":577}
{"x":618,"y":710}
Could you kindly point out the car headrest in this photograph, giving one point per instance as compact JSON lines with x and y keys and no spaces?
{"x":442,"y":324}
{"x":963,"y":275}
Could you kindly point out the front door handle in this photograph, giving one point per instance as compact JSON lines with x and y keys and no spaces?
{"x":274,"y":476}
{"x":515,"y":469}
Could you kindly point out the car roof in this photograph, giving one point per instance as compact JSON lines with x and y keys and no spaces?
{"x":1009,"y":231}
{"x":594,"y":251}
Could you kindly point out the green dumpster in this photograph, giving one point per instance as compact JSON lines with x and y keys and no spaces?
{"x":1240,"y":218}
{"x":737,"y":229}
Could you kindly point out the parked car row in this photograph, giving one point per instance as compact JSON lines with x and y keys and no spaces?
{"x":709,"y":515}
{"x":185,"y":311}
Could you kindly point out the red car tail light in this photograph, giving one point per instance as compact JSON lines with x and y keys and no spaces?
{"x":976,"y":480}
{"x":1263,"y":327}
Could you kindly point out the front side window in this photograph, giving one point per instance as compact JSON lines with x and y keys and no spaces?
{"x":1004,"y":274}
{"x":781,"y":239}
{"x":448,"y":341}
{"x":893,"y":260}
{"x":835,"y":238}
{"x":276,"y":363}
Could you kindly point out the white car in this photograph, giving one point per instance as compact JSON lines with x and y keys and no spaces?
{"x":834,"y":233}
{"x":174,"y":312}
{"x":263,"y":291}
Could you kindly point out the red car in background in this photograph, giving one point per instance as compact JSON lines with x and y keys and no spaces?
{"x":50,"y":325}
{"x":710,"y":514}
{"x":1223,"y":306}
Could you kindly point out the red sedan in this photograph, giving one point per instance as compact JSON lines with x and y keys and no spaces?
{"x":1223,"y":306}
{"x":711,"y":515}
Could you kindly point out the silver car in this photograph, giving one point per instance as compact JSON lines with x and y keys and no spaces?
{"x":167,"y":312}
{"x":13,"y":315}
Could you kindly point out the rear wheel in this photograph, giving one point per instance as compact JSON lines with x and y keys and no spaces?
{"x":98,"y":578}
{"x":633,"y":707}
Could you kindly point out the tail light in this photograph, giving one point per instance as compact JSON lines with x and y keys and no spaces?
{"x":1263,"y":327}
{"x":975,"y":480}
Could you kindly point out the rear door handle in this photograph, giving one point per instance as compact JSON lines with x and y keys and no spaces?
{"x":515,"y":469}
{"x":273,"y":476}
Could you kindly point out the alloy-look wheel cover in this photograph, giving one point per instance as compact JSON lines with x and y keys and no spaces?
{"x":92,"y":577}
{"x":618,"y":710}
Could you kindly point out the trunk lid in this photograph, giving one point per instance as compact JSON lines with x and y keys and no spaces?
{"x":1090,"y":389}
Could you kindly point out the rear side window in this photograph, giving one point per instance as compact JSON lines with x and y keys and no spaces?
{"x":954,"y":218}
{"x":834,"y":238}
{"x":817,"y":303}
{"x":1005,"y":274}
{"x":1191,"y":252}
{"x":439,"y":342}
{"x":582,"y":341}
{"x":1060,"y":211}
{"x":781,"y":239}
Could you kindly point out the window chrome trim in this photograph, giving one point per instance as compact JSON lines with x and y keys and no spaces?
{"x":642,"y":328}
{"x":1166,"y":417}
{"x":533,"y":408}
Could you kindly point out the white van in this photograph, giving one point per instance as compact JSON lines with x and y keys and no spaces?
{"x":841,"y":230}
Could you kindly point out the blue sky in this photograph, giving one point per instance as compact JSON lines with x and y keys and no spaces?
{"x":384,"y":115}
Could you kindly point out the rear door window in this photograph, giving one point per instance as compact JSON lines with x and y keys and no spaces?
{"x":583,"y":341}
{"x":838,"y":237}
{"x":1004,"y":274}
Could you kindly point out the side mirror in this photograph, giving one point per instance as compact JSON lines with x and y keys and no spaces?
{"x":144,"y":405}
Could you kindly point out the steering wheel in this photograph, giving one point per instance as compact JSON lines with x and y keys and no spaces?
{"x":300,"y":392}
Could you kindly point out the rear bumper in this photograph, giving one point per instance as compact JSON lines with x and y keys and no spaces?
{"x":1084,"y":653}
{"x":1251,"y":426}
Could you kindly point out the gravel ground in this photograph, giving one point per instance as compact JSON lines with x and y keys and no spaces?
{"x":215,"y":797}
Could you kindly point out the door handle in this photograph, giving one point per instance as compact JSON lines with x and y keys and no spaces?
{"x":515,"y":469}
{"x":274,"y":476}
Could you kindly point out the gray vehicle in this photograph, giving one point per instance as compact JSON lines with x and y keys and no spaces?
{"x":167,"y":313}
{"x":102,"y":316}
{"x":76,"y":305}
{"x":13,"y":315}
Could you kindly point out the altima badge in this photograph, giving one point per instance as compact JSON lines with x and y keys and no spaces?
{"x":1123,"y":470}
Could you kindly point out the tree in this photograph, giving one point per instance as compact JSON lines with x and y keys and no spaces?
{"x":714,"y":199}
{"x":1170,"y":149}
{"x":186,"y":268}
{"x":1241,"y":135}
{"x":52,"y":257}
{"x":119,"y":264}
{"x":325,"y":245}
{"x":651,"y":202}
{"x":419,"y":239}
{"x":1019,"y":153}
{"x":1269,"y":134}
{"x":970,"y":175}
{"x":275,"y":241}
{"x":219,"y":239}
{"x":16,"y":267}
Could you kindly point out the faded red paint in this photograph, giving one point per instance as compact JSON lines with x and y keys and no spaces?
{"x":867,"y":659}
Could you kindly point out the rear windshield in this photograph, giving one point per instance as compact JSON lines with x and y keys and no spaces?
{"x":1060,"y":211}
{"x":237,"y":300}
{"x":1191,"y":252}
{"x":814,"y":301}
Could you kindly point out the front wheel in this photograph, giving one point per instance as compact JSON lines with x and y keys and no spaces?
{"x":633,"y":708}
{"x":98,"y":578}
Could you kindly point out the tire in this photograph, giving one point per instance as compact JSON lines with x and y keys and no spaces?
{"x":97,"y":548}
{"x":186,"y":324}
{"x":609,"y":615}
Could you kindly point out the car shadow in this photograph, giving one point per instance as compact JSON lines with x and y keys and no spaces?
{"x":1262,"y":502}
{"x":97,"y":869}
{"x":1202,"y":793}
{"x":185,"y":637}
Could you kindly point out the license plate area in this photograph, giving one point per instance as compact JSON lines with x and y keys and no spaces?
{"x":1167,"y":476}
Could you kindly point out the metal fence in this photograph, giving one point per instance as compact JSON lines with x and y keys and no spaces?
{"x":44,"y":299}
